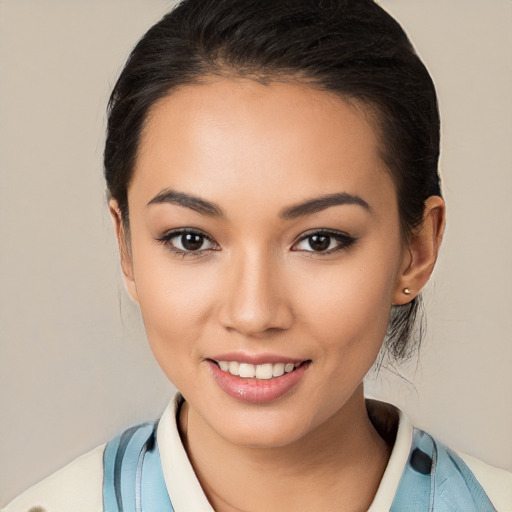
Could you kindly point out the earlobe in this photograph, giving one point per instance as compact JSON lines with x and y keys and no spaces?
{"x":124,"y":250}
{"x":420,"y":255}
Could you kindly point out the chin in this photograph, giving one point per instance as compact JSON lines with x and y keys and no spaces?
{"x":264,"y":428}
{"x":275,"y":436}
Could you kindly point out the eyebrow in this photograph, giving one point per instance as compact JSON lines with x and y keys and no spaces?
{"x":305,"y":208}
{"x":321,"y":203}
{"x":189,"y":201}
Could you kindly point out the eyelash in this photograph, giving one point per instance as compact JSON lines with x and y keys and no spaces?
{"x":344,"y":242}
{"x":168,"y":237}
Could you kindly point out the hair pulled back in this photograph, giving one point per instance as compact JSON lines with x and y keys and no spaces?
{"x":349,"y":47}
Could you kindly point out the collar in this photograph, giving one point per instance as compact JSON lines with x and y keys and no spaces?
{"x":186,"y":492}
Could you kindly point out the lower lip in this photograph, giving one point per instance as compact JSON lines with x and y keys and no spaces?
{"x":257,"y":391}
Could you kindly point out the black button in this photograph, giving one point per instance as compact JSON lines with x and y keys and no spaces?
{"x":420,"y":462}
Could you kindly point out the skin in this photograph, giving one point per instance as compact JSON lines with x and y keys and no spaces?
{"x":259,"y":287}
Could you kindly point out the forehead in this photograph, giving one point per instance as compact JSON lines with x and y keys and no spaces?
{"x":279,"y":139}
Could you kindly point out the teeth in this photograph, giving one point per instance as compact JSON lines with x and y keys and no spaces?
{"x":278,"y":370}
{"x":247,"y":370}
{"x":259,"y":371}
{"x":233,"y":367}
{"x":264,"y":371}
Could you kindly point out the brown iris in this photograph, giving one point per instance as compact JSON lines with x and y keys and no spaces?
{"x":192,"y":241}
{"x":319,"y":242}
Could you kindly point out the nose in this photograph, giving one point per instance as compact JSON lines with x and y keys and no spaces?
{"x":255,"y":303}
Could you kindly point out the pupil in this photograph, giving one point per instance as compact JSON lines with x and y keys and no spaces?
{"x":319,"y":242}
{"x":191,"y":241}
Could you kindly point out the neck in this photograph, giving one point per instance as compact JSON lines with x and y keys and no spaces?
{"x":322,"y":478}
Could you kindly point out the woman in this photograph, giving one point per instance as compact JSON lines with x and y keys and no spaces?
{"x":272,"y":172}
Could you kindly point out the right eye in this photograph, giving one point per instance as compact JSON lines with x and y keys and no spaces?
{"x":188,"y":242}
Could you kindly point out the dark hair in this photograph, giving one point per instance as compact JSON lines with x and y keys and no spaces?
{"x":350,"y":47}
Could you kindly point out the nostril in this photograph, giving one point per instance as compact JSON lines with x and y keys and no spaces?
{"x":253,"y":319}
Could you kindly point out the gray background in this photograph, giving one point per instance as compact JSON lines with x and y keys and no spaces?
{"x":74,"y":364}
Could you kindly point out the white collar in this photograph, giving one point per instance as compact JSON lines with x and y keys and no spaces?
{"x":188,"y":496}
{"x":182,"y":484}
{"x":399,"y":455}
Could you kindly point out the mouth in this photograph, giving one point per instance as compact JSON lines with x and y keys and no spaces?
{"x":264,"y":380}
{"x":264,"y":371}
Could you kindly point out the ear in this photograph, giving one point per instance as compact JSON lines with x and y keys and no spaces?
{"x":420,"y":253}
{"x":124,"y":250}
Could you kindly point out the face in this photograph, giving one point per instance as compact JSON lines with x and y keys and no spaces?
{"x":265,"y":253}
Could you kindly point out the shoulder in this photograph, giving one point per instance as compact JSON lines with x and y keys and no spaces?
{"x":77,"y":487}
{"x":423,"y":469}
{"x":497,"y":483}
{"x":457,"y":481}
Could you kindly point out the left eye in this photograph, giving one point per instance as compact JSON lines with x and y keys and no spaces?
{"x":188,"y":241}
{"x":324,"y":242}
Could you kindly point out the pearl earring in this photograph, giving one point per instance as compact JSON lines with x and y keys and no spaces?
{"x":407,"y":291}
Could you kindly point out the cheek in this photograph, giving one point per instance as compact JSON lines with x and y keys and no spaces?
{"x":349,"y":305}
{"x":175,"y":303}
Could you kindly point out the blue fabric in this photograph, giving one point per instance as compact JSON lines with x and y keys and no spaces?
{"x":110,"y":503}
{"x":435,"y":478}
{"x":133,"y":480}
{"x":154,"y":491}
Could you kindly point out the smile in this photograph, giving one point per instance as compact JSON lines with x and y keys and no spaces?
{"x":257,"y":371}
{"x":257,"y":383}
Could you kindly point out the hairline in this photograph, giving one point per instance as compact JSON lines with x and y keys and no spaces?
{"x":367,"y":107}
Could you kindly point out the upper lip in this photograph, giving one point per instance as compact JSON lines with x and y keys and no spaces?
{"x":243,"y":357}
